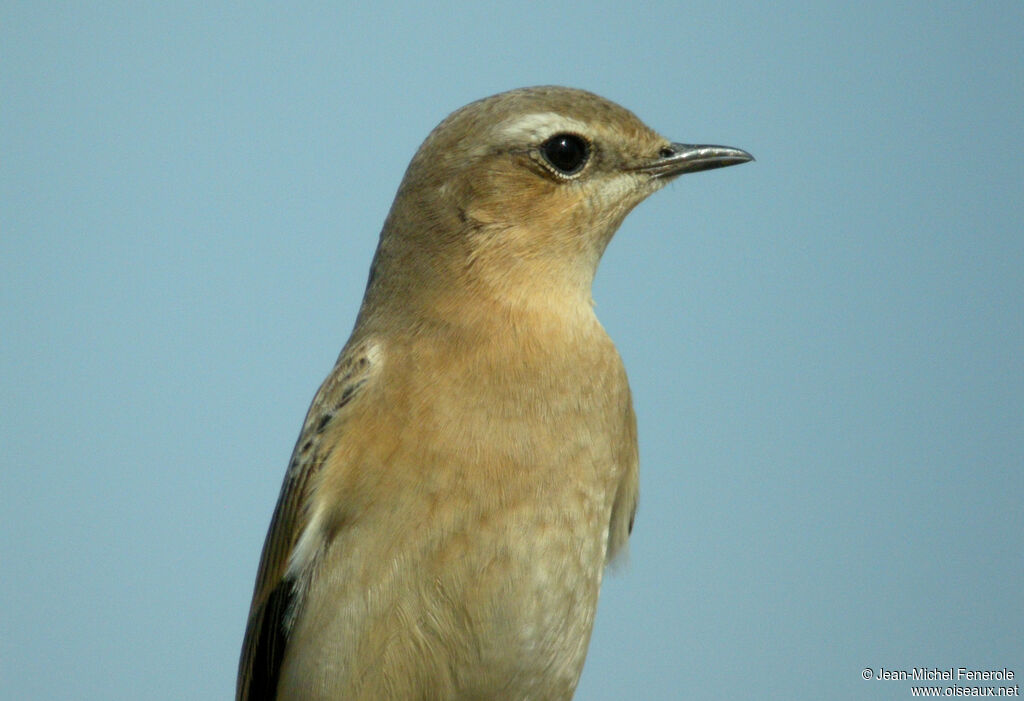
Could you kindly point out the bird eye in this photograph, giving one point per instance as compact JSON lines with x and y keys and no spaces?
{"x":567,"y":153}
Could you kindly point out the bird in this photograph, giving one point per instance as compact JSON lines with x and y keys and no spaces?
{"x":469,"y":465}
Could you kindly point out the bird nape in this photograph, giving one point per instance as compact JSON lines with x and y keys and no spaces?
{"x":470,"y":464}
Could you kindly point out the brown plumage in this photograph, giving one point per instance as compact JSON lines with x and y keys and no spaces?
{"x":470,"y":464}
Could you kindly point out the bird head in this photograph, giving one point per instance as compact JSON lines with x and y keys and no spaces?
{"x":515,"y":197}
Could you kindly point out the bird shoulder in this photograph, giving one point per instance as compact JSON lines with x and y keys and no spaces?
{"x":293,"y":541}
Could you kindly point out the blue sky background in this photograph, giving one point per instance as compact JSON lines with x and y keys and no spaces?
{"x":826,"y":346}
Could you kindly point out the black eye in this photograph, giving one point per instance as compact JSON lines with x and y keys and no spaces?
{"x":568,"y":153}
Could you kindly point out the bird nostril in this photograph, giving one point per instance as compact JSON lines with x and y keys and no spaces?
{"x":667,"y":152}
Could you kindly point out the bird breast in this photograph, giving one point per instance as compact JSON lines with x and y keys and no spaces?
{"x":484,"y":564}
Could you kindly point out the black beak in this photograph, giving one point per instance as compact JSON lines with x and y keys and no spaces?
{"x":676,"y":159}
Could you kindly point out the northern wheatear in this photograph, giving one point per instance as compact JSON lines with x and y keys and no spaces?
{"x":470,"y":464}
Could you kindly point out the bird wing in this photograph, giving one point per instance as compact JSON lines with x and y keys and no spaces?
{"x":279,"y":583}
{"x":624,"y":505}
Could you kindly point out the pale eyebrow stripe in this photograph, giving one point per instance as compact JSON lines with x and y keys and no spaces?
{"x":537,"y":126}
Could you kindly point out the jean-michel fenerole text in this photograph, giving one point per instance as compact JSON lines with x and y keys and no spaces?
{"x":951,"y":673}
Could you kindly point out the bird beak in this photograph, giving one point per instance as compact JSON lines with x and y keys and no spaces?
{"x":676,"y":159}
